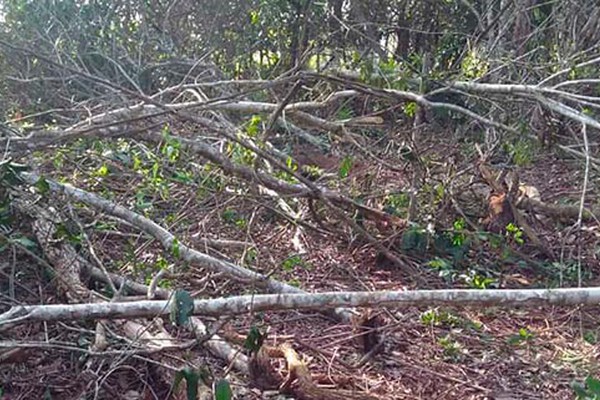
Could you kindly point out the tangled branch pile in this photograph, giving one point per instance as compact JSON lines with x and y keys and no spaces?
{"x":156,"y":164}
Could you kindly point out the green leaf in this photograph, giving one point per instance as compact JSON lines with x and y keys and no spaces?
{"x":42,"y":185}
{"x":254,"y":17}
{"x":345,"y":167}
{"x":289,"y":162}
{"x":579,"y":389}
{"x":191,"y":378}
{"x":175,"y":248}
{"x":289,"y":263}
{"x":459,"y":224}
{"x":253,"y":125}
{"x":222,"y":390}
{"x":590,"y":337}
{"x":102,"y":171}
{"x":229,"y":215}
{"x":182,"y":308}
{"x":161,"y":263}
{"x":137,"y":163}
{"x":254,"y":340}
{"x":439,"y":263}
{"x":410,"y":109}
{"x":593,"y":385}
{"x":183,"y":177}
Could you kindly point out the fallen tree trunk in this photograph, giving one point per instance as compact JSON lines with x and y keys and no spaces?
{"x":558,"y":211}
{"x":314,"y":301}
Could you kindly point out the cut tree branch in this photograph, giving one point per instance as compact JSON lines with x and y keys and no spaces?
{"x":167,"y":239}
{"x":303,"y":302}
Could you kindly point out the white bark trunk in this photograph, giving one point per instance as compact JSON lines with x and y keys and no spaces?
{"x":315,"y":301}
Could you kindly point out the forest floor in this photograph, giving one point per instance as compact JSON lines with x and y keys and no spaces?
{"x":422,"y":353}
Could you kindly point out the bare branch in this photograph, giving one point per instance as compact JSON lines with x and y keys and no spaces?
{"x":167,"y":239}
{"x":314,"y":301}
